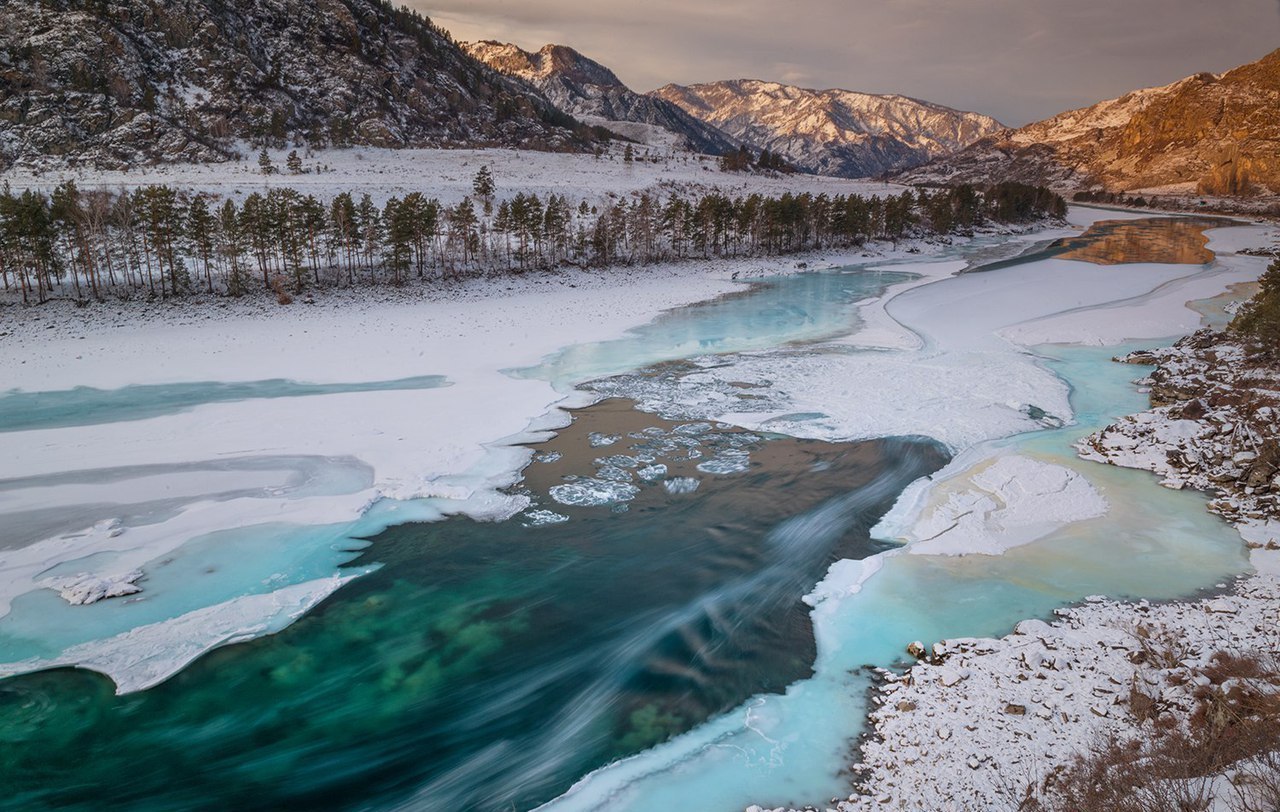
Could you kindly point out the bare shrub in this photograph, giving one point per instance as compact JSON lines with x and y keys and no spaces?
{"x":1228,"y":744}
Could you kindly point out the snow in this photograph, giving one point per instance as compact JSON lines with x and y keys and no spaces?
{"x":1003,"y":503}
{"x":448,"y":173}
{"x":996,"y":715}
{"x":85,"y":588}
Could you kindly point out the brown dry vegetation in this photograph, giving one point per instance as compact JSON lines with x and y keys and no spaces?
{"x":1227,"y":744}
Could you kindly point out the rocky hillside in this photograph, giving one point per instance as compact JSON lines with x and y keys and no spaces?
{"x":588,"y":90}
{"x":1219,"y":134}
{"x":121,"y":82}
{"x":831,"y":132}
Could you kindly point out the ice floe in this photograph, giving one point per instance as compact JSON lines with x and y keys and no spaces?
{"x":1004,"y":503}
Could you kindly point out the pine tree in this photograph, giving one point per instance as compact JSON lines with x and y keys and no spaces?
{"x":629,"y":154}
{"x":200,"y":234}
{"x":264,"y":162}
{"x":294,"y":162}
{"x":483,"y":185}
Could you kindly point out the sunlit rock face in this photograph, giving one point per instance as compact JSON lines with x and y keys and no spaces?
{"x":1213,"y":134}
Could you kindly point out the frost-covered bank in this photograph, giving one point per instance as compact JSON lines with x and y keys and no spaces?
{"x":1215,"y":426}
{"x":985,"y":723}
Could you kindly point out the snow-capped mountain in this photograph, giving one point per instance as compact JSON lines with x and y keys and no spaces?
{"x":122,"y":82}
{"x":1220,"y":133}
{"x":831,"y":132}
{"x":591,"y":92}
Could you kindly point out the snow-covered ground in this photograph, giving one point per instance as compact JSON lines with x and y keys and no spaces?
{"x":448,"y":174}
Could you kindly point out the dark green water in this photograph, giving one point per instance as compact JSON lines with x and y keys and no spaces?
{"x":485,"y":666}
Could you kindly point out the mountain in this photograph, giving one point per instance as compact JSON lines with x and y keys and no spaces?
{"x":831,"y":132}
{"x":122,"y":82}
{"x":1218,"y":132}
{"x":589,"y":91}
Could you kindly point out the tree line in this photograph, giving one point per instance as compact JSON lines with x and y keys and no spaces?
{"x":159,"y":241}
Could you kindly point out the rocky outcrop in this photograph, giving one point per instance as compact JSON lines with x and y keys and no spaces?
{"x":121,"y":82}
{"x":587,"y":90}
{"x":1214,"y":426}
{"x":1212,"y":134}
{"x":831,"y":132}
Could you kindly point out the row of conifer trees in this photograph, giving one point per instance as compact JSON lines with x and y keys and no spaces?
{"x":160,"y":241}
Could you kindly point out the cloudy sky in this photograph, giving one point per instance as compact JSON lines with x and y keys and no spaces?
{"x":1019,"y":60}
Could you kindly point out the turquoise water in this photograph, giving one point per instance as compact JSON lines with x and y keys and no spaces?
{"x":772,"y":312}
{"x":87,"y":406}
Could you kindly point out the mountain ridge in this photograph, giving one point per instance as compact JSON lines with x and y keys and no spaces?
{"x":833,"y":131}
{"x":581,"y":87}
{"x":1218,"y":132}
{"x":116,"y":83}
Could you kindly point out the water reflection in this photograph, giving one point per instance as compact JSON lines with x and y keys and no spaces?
{"x":1165,"y":240}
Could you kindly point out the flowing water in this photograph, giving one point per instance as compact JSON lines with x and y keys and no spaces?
{"x":488,"y":665}
{"x":650,"y":597}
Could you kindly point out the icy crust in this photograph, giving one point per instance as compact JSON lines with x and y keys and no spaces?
{"x":1008,"y":502}
{"x":984,"y":718}
{"x":619,"y":477}
{"x":148,"y":655}
{"x":1162,"y":313}
{"x":953,"y":363}
{"x":85,"y":588}
{"x":591,"y":492}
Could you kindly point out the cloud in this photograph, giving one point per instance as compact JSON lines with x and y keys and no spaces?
{"x":1016,"y":59}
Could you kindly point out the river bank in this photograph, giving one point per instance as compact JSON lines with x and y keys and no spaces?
{"x":994,"y":723}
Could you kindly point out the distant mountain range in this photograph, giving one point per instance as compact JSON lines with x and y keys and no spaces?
{"x":124,"y":82}
{"x":591,"y":92}
{"x":832,"y":132}
{"x":118,"y":83}
{"x":1217,"y":133}
{"x":828,"y":132}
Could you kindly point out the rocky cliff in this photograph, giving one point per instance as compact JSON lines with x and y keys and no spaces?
{"x":1217,"y":133}
{"x":588,"y":90}
{"x":122,"y":82}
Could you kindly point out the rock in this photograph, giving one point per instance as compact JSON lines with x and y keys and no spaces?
{"x":917,"y":650}
{"x":906,"y":706}
{"x":1194,"y":409}
{"x":1015,"y":710}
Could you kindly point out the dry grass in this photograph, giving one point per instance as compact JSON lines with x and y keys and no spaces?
{"x":1225,"y":747}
